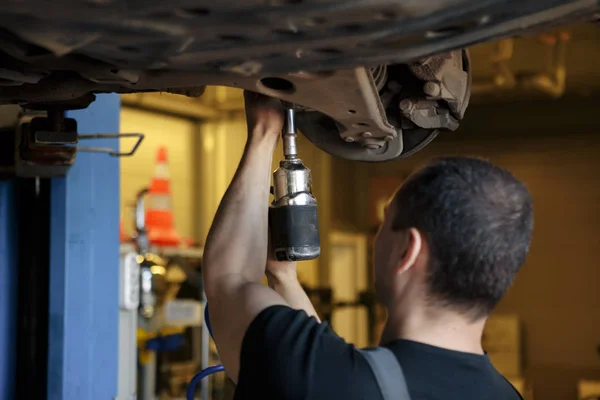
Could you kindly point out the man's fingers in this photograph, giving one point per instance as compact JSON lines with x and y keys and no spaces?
{"x":255,"y":99}
{"x":251,"y":96}
{"x":263,"y":113}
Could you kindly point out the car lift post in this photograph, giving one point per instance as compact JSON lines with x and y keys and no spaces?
{"x":8,"y":292}
{"x":84,"y":266}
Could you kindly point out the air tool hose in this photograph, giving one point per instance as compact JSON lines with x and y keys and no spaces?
{"x":191,"y":389}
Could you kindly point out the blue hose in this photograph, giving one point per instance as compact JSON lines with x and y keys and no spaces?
{"x":199,"y":376}
{"x":207,"y":371}
{"x":207,"y":320}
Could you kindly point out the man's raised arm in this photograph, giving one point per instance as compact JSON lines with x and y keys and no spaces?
{"x":235,"y":254}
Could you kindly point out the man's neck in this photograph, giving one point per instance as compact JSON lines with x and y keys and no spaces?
{"x":443,"y":329}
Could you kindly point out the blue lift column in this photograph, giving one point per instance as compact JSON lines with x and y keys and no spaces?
{"x":84,"y":266}
{"x":8,"y":290}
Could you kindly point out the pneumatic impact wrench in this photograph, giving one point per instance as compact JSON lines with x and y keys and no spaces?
{"x":293,"y":213}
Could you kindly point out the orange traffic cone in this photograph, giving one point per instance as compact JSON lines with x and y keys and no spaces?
{"x":122,"y":236}
{"x":159,"y":214}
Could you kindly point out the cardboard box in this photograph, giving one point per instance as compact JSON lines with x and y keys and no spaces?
{"x":588,"y":389}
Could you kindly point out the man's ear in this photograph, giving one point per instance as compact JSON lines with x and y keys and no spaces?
{"x":413,"y":248}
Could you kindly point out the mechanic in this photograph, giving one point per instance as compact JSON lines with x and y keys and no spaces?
{"x":453,"y":239}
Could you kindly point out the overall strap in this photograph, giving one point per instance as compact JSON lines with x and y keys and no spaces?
{"x":388,"y":373}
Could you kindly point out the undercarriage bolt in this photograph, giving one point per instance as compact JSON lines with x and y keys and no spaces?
{"x":406,"y":105}
{"x":349,"y":139}
{"x":366,"y":134}
{"x":389,"y":138}
{"x":432,"y":89}
{"x":373,"y":146}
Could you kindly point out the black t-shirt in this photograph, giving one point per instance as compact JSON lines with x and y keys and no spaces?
{"x":288,"y":356}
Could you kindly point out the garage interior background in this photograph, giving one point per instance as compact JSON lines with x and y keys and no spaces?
{"x":552,"y":144}
{"x":546,"y":332}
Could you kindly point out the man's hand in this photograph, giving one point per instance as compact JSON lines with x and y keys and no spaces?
{"x":279,"y":270}
{"x":282,"y":277}
{"x":264,"y":115}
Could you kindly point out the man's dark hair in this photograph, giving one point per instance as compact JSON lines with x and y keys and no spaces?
{"x":477,"y":219}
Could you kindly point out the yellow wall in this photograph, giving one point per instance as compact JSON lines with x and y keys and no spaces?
{"x":178,"y":136}
{"x":220,"y":146}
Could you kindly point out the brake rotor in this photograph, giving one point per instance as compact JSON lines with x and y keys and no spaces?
{"x":420,"y":100}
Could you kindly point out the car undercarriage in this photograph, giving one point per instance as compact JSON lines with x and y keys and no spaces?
{"x":373,"y":80}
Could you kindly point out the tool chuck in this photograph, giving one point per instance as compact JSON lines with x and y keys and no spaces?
{"x":293,"y":213}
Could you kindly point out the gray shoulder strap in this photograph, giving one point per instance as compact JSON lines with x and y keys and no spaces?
{"x":388,"y":373}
